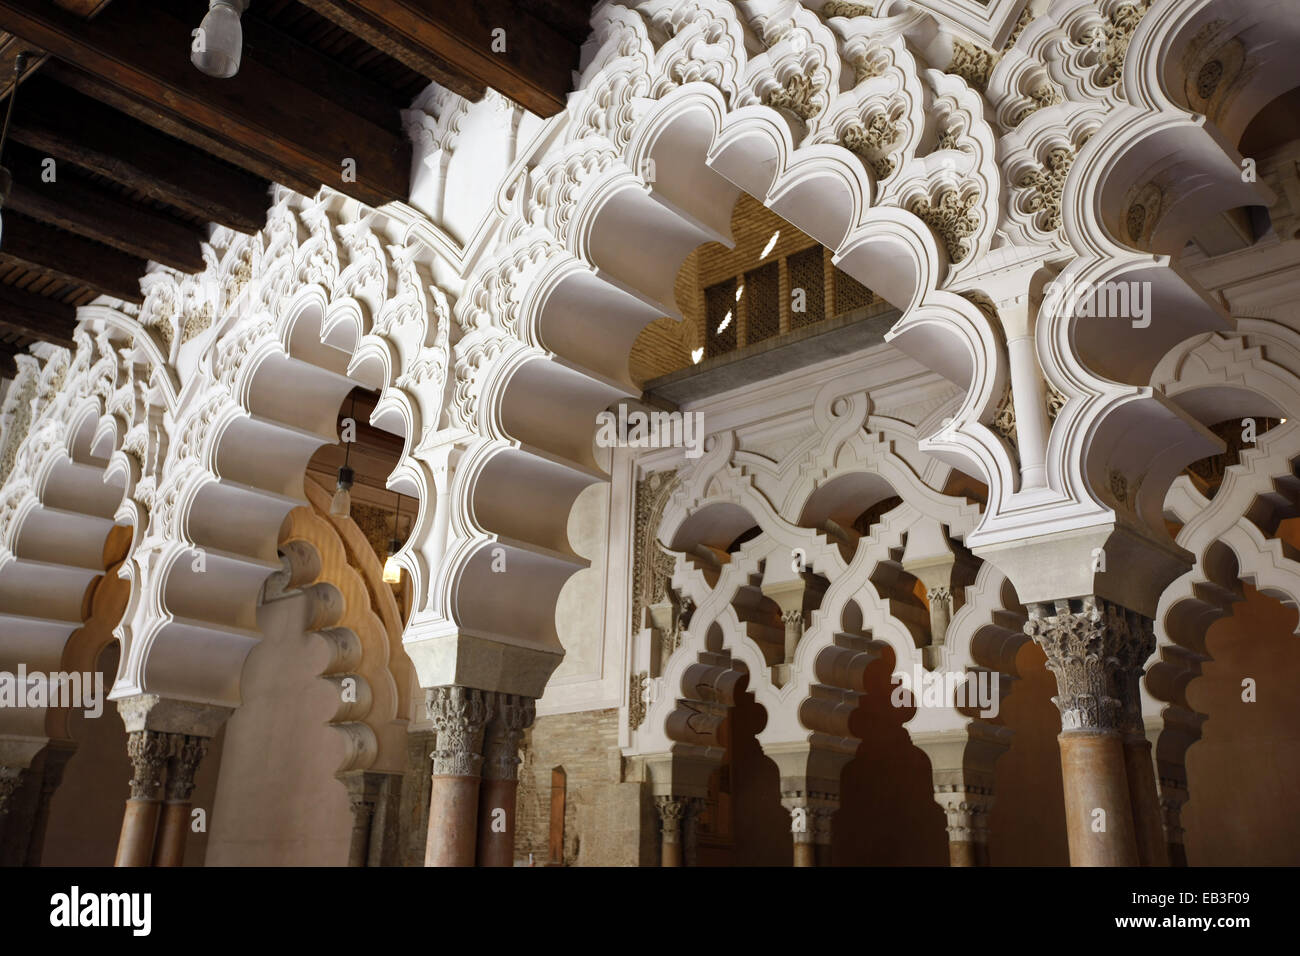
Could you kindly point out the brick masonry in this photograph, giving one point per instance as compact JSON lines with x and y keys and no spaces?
{"x":605,"y":817}
{"x":666,"y":345}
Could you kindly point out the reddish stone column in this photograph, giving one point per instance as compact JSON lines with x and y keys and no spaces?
{"x":672,"y":815}
{"x":1088,"y":644}
{"x":174,"y":822}
{"x":1139,"y":769}
{"x":967,"y":807}
{"x":148,"y":750}
{"x":511,"y":714}
{"x":57,"y":755}
{"x":459,"y":716}
{"x":810,"y":826}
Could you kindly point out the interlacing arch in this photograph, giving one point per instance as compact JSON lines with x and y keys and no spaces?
{"x":963,"y":185}
{"x":649,"y":157}
{"x":842,"y":593}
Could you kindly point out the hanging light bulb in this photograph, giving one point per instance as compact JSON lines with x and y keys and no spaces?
{"x":393,"y":570}
{"x":341,"y":503}
{"x":219,"y":39}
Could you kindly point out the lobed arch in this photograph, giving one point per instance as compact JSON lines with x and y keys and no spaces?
{"x":265,"y":342}
{"x":59,"y":503}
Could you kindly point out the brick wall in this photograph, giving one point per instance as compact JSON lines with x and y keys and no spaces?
{"x":603,"y":815}
{"x":665,"y":345}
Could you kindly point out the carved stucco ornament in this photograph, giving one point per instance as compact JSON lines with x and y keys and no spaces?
{"x":953,"y":217}
{"x":1090,"y":646}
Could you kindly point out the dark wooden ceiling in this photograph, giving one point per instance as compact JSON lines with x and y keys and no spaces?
{"x":147,"y":150}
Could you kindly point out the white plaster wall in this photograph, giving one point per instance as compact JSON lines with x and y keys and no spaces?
{"x":278,"y":802}
{"x":579,"y":682}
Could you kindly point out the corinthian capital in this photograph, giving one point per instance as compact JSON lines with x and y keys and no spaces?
{"x":187,"y":752}
{"x":511,"y":715}
{"x":149,"y":751}
{"x":1091,"y":646}
{"x":459,"y":715}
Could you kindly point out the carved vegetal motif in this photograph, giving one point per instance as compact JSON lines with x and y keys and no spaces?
{"x":459,"y":716}
{"x":636,"y":690}
{"x":874,"y":141}
{"x":972,"y":63}
{"x":1044,"y":95}
{"x":1111,"y":41}
{"x":148,"y":751}
{"x":953,"y":217}
{"x":1004,"y":421}
{"x":1055,"y":402}
{"x":1026,"y":17}
{"x":843,"y":8}
{"x":799,"y":95}
{"x":511,"y":715}
{"x":187,"y":753}
{"x":651,"y":565}
{"x":1044,"y":186}
{"x":1089,"y":645}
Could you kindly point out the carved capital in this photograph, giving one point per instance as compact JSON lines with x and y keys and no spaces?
{"x":149,"y":751}
{"x":511,"y":715}
{"x":460,"y":716}
{"x":11,"y":779}
{"x":676,"y":815}
{"x":1090,"y":644}
{"x":967,"y":808}
{"x":187,"y":752}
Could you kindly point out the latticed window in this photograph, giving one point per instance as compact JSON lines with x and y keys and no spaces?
{"x":762,"y":303}
{"x":849,"y":293}
{"x":720,"y":318}
{"x":807,"y":275}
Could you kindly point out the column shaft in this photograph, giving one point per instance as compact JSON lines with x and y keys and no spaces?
{"x":148,"y":750}
{"x":1090,"y":645}
{"x":459,"y":716}
{"x":174,"y":820}
{"x":1144,"y":801}
{"x":511,"y":714}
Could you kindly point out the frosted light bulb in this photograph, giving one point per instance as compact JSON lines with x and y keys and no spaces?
{"x":341,"y":503}
{"x":393,"y":570}
{"x":219,"y":41}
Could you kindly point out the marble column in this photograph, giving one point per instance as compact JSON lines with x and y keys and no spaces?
{"x":674,"y":816}
{"x":821,"y":818}
{"x":511,"y":714}
{"x":1139,"y":767}
{"x":174,"y":821}
{"x":1084,"y":640}
{"x":148,"y":751}
{"x":54,"y":762}
{"x":810,"y":826}
{"x":967,"y":807}
{"x":365,"y":790}
{"x":459,"y":715}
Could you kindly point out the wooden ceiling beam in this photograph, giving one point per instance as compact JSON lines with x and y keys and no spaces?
{"x":36,"y":317}
{"x":280,"y":128}
{"x":441,"y":40}
{"x":72,"y":128}
{"x":8,"y":367}
{"x":78,"y":206}
{"x":70,"y":258}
